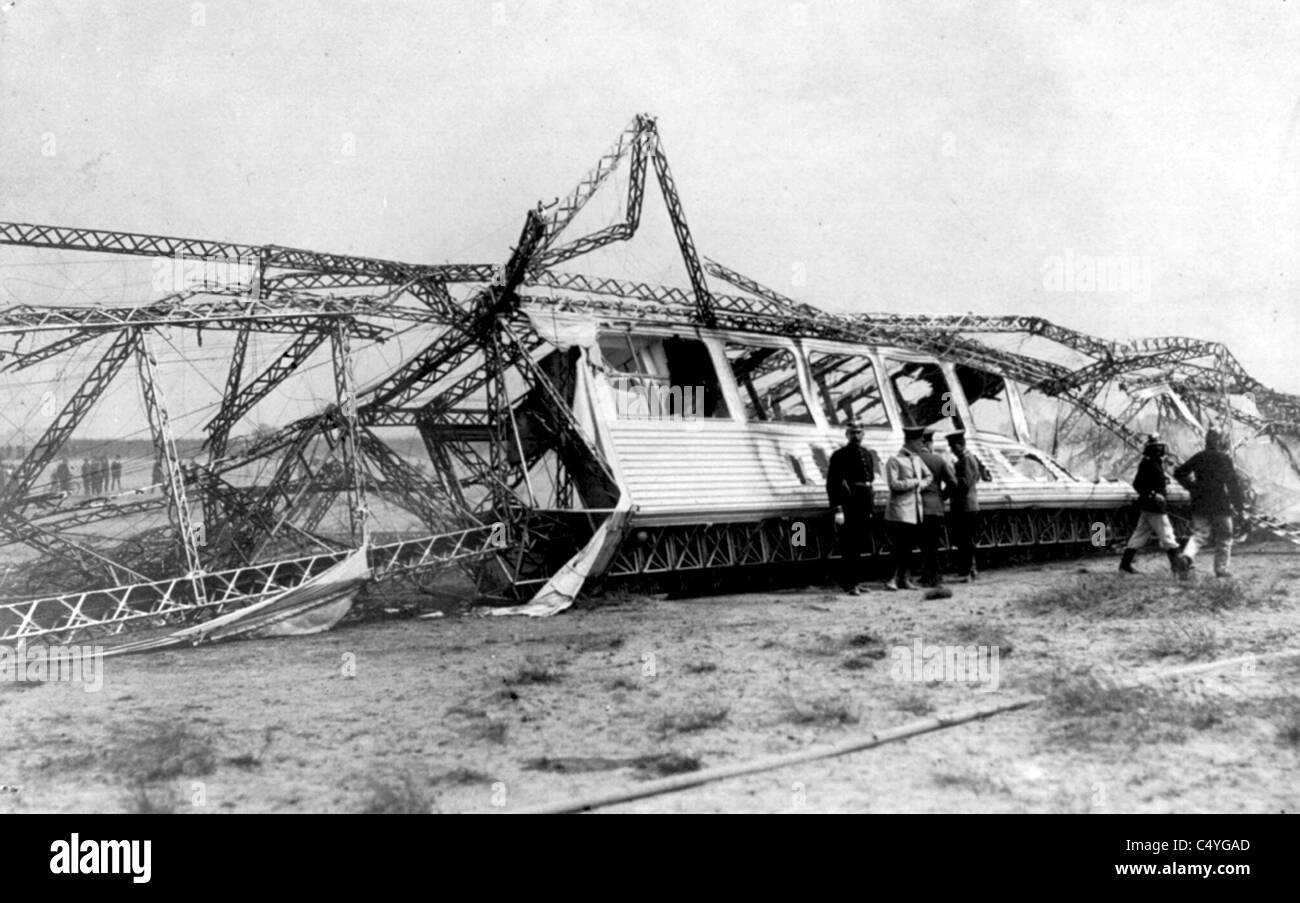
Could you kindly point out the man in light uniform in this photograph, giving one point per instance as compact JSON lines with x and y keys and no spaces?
{"x":906,"y":474}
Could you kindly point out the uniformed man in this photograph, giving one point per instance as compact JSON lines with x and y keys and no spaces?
{"x":907,"y":474}
{"x":964,"y":504}
{"x":932,"y":497}
{"x":849,"y":477}
{"x":1216,"y":493}
{"x":1152,"y":485}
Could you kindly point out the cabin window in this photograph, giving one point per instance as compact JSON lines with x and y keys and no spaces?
{"x":924,"y":398}
{"x":847,"y":388}
{"x":768,"y":379}
{"x":656,"y":378}
{"x":989,"y":400}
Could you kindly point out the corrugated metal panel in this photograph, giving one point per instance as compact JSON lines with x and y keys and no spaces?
{"x":722,"y":470}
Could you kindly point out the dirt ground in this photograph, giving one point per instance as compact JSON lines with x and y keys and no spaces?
{"x":477,"y":714}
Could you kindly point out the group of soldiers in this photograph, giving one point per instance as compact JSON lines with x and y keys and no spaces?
{"x":1216,"y":497}
{"x":98,"y":475}
{"x":920,"y":481}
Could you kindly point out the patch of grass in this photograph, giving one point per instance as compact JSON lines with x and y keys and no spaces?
{"x":1088,"y":709}
{"x":623,"y":683}
{"x":664,"y":764}
{"x":692,"y":720}
{"x":461,"y":775}
{"x":976,"y":783}
{"x":1191,"y":641}
{"x":973,"y":632}
{"x":19,"y":685}
{"x":821,"y":710}
{"x":606,"y":643}
{"x":860,"y":661}
{"x":1113,"y":596}
{"x":915,"y":702}
{"x":142,"y":799}
{"x":491,"y":730}
{"x":938,"y":592}
{"x":253,"y":760}
{"x":534,"y":671}
{"x":158,"y":751}
{"x":700,"y":667}
{"x":399,"y":794}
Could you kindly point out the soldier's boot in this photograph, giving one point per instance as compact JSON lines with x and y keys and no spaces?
{"x":1126,"y":563}
{"x":1175,"y":562}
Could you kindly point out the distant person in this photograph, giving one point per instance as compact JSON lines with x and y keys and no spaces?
{"x":1152,"y":487}
{"x":1216,"y":494}
{"x":907,"y":474}
{"x":932,"y":498}
{"x":849,"y":477}
{"x":158,"y":476}
{"x":85,"y":476}
{"x":117,"y":472}
{"x":964,"y":504}
{"x":63,"y":476}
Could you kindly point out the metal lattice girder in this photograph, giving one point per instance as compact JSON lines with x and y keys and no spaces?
{"x":981,"y":323}
{"x":239,"y":401}
{"x":292,"y":314}
{"x":558,"y":417}
{"x":108,"y":611}
{"x":53,"y":349}
{"x":449,"y":272}
{"x":67,"y":420}
{"x":64,"y":519}
{"x":20,"y":530}
{"x":668,"y":188}
{"x":600,"y":285}
{"x":165,"y":445}
{"x":784,"y":306}
{"x":564,"y":212}
{"x":219,"y":427}
{"x":346,"y":395}
{"x":410,"y":489}
{"x":135,"y":243}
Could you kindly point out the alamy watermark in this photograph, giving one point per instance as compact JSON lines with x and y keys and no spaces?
{"x":637,"y":400}
{"x":181,"y":273}
{"x":924,"y":662}
{"x":39,"y":663}
{"x":1103,"y":274}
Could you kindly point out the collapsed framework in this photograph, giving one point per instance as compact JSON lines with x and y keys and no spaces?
{"x":516,"y":422}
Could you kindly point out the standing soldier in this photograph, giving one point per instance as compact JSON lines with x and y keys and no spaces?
{"x":907,"y":475}
{"x":158,"y":475}
{"x":1216,"y":493}
{"x":848,"y":485}
{"x":117,"y":472}
{"x":963,"y":516}
{"x":85,"y":476}
{"x":932,"y":497}
{"x":63,"y":476}
{"x":1152,"y":485}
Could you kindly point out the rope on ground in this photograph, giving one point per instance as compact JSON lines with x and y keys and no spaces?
{"x":878,"y":738}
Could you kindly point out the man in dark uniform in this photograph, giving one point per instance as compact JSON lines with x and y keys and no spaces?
{"x":848,"y":485}
{"x":1152,"y":485}
{"x":1216,"y":493}
{"x":932,"y":497}
{"x":964,"y":504}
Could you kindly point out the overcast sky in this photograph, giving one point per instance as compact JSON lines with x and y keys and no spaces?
{"x":927,"y":157}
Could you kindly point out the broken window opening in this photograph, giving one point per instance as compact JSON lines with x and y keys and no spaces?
{"x":848,"y":388}
{"x":989,"y":400}
{"x":662,"y":378}
{"x":768,"y":379}
{"x":924,"y":398}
